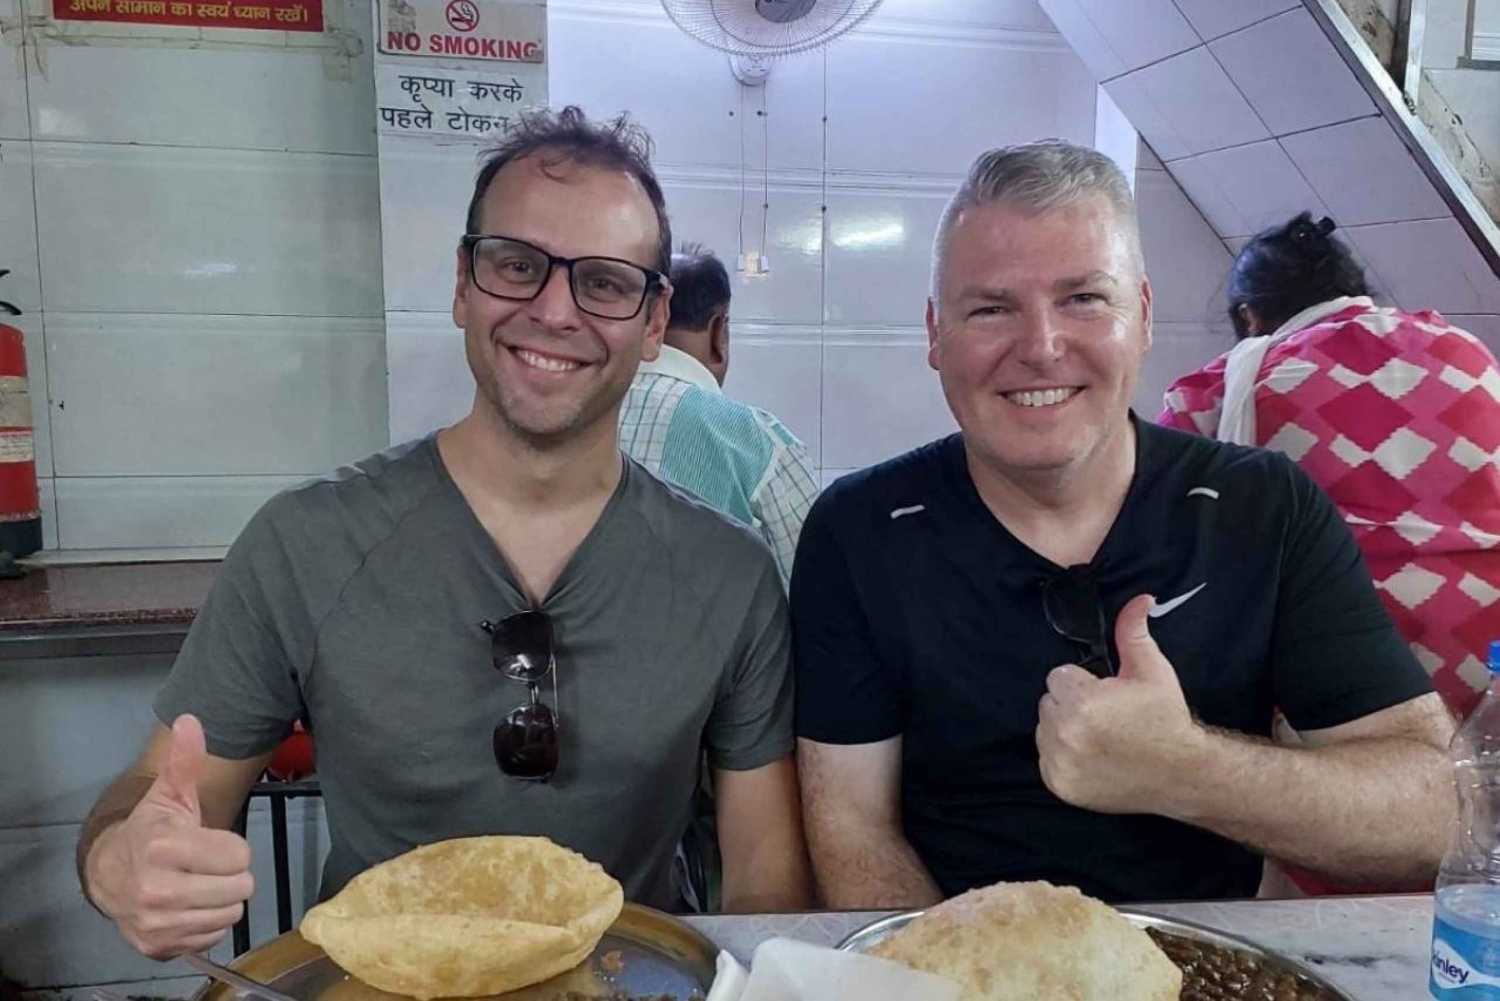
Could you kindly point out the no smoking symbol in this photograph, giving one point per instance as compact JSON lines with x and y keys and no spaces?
{"x":463,"y":15}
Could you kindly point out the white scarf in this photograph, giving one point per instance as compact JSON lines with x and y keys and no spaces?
{"x":1242,"y":368}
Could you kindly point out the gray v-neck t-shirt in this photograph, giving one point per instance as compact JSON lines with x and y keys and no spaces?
{"x":355,"y":602}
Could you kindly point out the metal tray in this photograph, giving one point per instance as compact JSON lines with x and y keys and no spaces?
{"x":645,"y":952}
{"x":871,"y":934}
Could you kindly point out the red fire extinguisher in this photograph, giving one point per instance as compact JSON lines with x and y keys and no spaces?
{"x":20,"y":503}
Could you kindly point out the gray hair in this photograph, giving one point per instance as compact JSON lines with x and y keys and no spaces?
{"x":1038,"y":176}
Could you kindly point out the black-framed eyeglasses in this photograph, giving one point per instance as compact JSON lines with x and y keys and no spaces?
{"x":1075,"y":612}
{"x":526,"y":739}
{"x":606,"y":287}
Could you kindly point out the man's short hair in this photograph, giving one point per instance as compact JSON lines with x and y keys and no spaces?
{"x":700,"y":286}
{"x":568,"y":136}
{"x":1038,"y":176}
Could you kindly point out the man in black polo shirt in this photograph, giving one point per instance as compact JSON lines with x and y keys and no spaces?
{"x":1052,"y":646}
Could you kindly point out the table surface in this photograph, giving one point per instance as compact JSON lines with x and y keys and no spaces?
{"x":1376,"y":948}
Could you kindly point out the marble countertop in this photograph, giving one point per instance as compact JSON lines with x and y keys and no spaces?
{"x":52,"y":598}
{"x":1376,"y":948}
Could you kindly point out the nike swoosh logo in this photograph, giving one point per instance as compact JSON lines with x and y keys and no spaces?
{"x":1161,"y":608}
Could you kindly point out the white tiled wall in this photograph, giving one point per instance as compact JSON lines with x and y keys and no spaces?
{"x":1186,"y":261}
{"x":429,"y":351}
{"x":879,"y":244}
{"x":1429,"y":264}
{"x":1187,"y":105}
{"x":193,"y":233}
{"x":1214,"y":18}
{"x":1311,"y":86}
{"x":135,"y":228}
{"x":878,"y":391}
{"x":1188,"y":265}
{"x":881,"y":118}
{"x":1246,"y":188}
{"x":705,"y":207}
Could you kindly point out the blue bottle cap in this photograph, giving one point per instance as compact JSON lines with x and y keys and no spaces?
{"x":1495,"y":656}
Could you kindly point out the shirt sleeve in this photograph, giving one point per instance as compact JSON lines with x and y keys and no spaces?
{"x":1194,"y":402}
{"x":1336,"y":655}
{"x":784,"y":497}
{"x":238,"y":669}
{"x":845,"y":693}
{"x":751,"y":722}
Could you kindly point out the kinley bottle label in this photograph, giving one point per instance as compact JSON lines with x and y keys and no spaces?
{"x":1465,"y":966}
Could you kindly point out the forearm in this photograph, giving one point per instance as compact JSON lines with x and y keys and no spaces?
{"x":871,"y":869}
{"x":773,"y":878}
{"x":1375,"y":810}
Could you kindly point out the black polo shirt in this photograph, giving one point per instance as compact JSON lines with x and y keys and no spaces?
{"x":916,"y":613}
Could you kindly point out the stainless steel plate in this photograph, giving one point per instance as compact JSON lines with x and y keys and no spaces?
{"x":645,"y":952}
{"x":870,"y":935}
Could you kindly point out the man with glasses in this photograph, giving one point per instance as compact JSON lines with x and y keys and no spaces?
{"x":505,"y":627}
{"x":1052,"y":646}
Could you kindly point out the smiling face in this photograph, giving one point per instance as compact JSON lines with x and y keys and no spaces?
{"x":550,"y":371}
{"x":1038,"y":330}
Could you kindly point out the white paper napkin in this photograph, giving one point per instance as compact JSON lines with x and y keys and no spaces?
{"x":786,"y":970}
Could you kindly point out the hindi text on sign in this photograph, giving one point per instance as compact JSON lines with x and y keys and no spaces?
{"x":276,"y":15}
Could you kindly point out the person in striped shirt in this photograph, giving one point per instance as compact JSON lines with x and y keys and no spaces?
{"x":678,"y":423}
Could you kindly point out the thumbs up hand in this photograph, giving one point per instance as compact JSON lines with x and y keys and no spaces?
{"x":170,"y":884}
{"x":1118,"y":745}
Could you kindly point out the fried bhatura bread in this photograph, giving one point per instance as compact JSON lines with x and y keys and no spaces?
{"x":467,"y":917}
{"x":1035,"y":942}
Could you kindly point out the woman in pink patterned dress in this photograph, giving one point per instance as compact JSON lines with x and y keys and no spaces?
{"x":1396,"y":415}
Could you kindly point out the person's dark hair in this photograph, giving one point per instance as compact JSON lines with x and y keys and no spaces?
{"x":700,"y":285}
{"x":569,"y":136}
{"x":1285,"y":269}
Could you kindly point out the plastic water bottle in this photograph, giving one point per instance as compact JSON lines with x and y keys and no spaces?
{"x":1466,"y":927}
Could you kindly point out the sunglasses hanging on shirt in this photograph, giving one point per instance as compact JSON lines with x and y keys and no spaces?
{"x":525,"y":741}
{"x":1075,"y":612}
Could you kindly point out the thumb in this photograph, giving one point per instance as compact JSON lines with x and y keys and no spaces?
{"x":187,"y":754}
{"x":1140,"y":657}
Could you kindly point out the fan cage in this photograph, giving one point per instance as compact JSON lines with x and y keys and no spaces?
{"x":735,"y":27}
